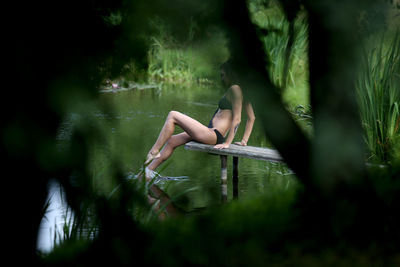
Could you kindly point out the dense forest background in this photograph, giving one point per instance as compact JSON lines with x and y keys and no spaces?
{"x":346,"y":211}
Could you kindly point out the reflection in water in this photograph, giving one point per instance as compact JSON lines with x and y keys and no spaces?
{"x":159,"y":179}
{"x":52,"y":225}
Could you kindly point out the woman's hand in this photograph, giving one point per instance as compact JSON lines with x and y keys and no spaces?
{"x":221,"y":146}
{"x":241,"y":143}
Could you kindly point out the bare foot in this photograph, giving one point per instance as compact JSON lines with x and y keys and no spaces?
{"x":152,"y":155}
{"x":149,"y":174}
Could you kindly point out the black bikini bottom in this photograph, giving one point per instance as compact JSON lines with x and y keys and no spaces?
{"x":220,"y":138}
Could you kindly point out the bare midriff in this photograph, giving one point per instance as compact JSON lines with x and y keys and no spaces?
{"x":222,"y":121}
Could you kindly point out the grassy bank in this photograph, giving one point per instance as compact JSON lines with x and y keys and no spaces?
{"x":186,"y":61}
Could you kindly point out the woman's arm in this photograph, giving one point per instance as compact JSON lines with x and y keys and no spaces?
{"x":237,"y":114}
{"x":249,"y":124}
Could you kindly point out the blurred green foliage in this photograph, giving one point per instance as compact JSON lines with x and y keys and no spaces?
{"x":343,"y":213}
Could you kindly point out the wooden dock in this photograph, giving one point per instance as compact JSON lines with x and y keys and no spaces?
{"x":236,"y":152}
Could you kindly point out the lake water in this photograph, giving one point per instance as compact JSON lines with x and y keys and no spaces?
{"x":130,"y":121}
{"x":53,"y":222}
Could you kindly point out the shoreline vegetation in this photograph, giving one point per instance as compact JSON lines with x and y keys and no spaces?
{"x":113,"y":87}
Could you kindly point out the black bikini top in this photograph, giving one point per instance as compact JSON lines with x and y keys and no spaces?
{"x":224,"y":103}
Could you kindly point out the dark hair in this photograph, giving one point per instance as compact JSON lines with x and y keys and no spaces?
{"x":228,"y":67}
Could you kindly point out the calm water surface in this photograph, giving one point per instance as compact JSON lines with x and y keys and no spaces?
{"x":131,"y":121}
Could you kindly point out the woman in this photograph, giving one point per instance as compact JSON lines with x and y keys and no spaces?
{"x":226,"y":119}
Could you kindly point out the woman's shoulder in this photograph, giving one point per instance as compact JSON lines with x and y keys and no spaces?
{"x":235,"y":90}
{"x":235,"y":87}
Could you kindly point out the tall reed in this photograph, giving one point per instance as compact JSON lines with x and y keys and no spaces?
{"x":288,"y":71}
{"x":378,"y":89}
{"x":76,"y":227}
{"x":276,"y":43}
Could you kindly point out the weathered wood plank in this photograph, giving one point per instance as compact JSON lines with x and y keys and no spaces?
{"x":252,"y":152}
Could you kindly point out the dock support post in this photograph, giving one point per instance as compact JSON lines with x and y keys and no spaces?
{"x":224,"y":175}
{"x":235,"y":178}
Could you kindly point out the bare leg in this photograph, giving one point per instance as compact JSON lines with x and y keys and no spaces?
{"x":192,"y":127}
{"x":194,"y":130}
{"x":173,"y":142}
